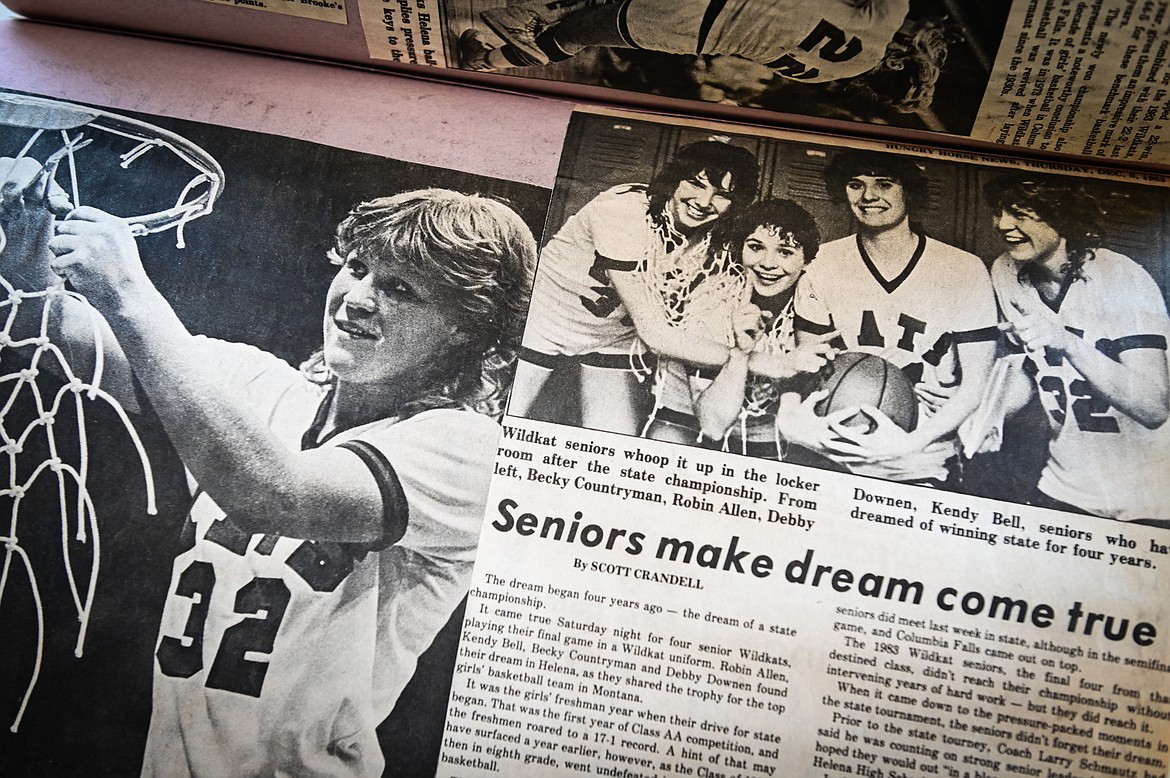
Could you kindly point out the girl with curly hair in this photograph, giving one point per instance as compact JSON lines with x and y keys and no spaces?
{"x":746,"y":300}
{"x":1089,"y":328}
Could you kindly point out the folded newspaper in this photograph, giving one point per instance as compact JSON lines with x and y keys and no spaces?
{"x":1044,"y":76}
{"x":749,"y":452}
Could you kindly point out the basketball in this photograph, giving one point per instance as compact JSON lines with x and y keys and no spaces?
{"x":857,"y":379}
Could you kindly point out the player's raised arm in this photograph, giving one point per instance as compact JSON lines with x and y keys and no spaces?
{"x":393,"y":341}
{"x":262,"y":484}
{"x":31,"y":203}
{"x":656,"y":331}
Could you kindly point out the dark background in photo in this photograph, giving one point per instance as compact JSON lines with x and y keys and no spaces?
{"x":253,"y":271}
{"x":601,"y":152}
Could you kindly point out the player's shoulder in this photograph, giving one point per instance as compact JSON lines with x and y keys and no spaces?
{"x":953,"y":253}
{"x":845,"y":245}
{"x":833,"y":253}
{"x":626,"y":204}
{"x":1114,"y":264}
{"x":961,"y":266}
{"x":443,"y":459}
{"x":1114,"y":274}
{"x":456,"y":433}
{"x":629,"y":197}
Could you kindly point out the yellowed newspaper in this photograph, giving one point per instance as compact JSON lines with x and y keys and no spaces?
{"x":1083,"y":78}
{"x":673,"y":599}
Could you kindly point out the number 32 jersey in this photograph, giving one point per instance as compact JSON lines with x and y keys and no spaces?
{"x":1099,"y":459}
{"x":280,"y":656}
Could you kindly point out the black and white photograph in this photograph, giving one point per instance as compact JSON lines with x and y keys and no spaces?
{"x":250,"y":392}
{"x":715,"y":389}
{"x":990,"y":330}
{"x":917,"y":64}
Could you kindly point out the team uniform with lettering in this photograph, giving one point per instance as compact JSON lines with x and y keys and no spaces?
{"x":280,"y":656}
{"x":807,"y":40}
{"x":941,"y":299}
{"x":575,"y":310}
{"x":1099,"y":459}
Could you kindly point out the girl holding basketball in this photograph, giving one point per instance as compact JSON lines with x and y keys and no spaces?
{"x":1099,"y":368}
{"x":890,"y":290}
{"x":759,"y":254}
{"x":338,"y":509}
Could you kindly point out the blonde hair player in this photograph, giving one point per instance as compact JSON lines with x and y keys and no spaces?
{"x":339,"y":507}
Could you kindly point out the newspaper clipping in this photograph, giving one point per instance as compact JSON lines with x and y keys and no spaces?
{"x":1083,"y":78}
{"x":921,"y":64}
{"x":966,"y":581}
{"x":321,"y":10}
{"x":149,"y":627}
{"x":1068,"y":76}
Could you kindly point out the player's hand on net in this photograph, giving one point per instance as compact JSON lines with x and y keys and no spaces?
{"x":97,"y":253}
{"x":30,"y":201}
{"x":747,"y":325}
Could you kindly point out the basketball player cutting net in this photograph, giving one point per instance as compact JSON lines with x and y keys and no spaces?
{"x":92,"y":495}
{"x":339,"y":506}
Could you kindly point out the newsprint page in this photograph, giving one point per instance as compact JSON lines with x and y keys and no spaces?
{"x":965,"y":575}
{"x":144,"y":629}
{"x":1072,"y":76}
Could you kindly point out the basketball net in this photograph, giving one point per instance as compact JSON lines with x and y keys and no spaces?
{"x":76,"y":513}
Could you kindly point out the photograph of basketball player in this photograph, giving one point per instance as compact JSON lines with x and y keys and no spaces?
{"x":759,"y":254}
{"x":869,"y":60}
{"x":338,"y":506}
{"x":891,"y":290}
{"x":1088,"y":328}
{"x":821,"y":41}
{"x":93,"y":497}
{"x":610,"y":283}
